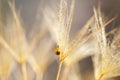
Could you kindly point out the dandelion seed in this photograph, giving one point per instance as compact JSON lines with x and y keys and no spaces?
{"x":60,"y":28}
{"x":105,"y":55}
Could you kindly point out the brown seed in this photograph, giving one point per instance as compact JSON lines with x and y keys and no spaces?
{"x":56,"y":50}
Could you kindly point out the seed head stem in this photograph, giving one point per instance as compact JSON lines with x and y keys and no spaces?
{"x":59,"y":70}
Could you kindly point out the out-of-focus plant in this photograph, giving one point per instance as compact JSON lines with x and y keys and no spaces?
{"x":106,"y":58}
{"x":19,"y":49}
